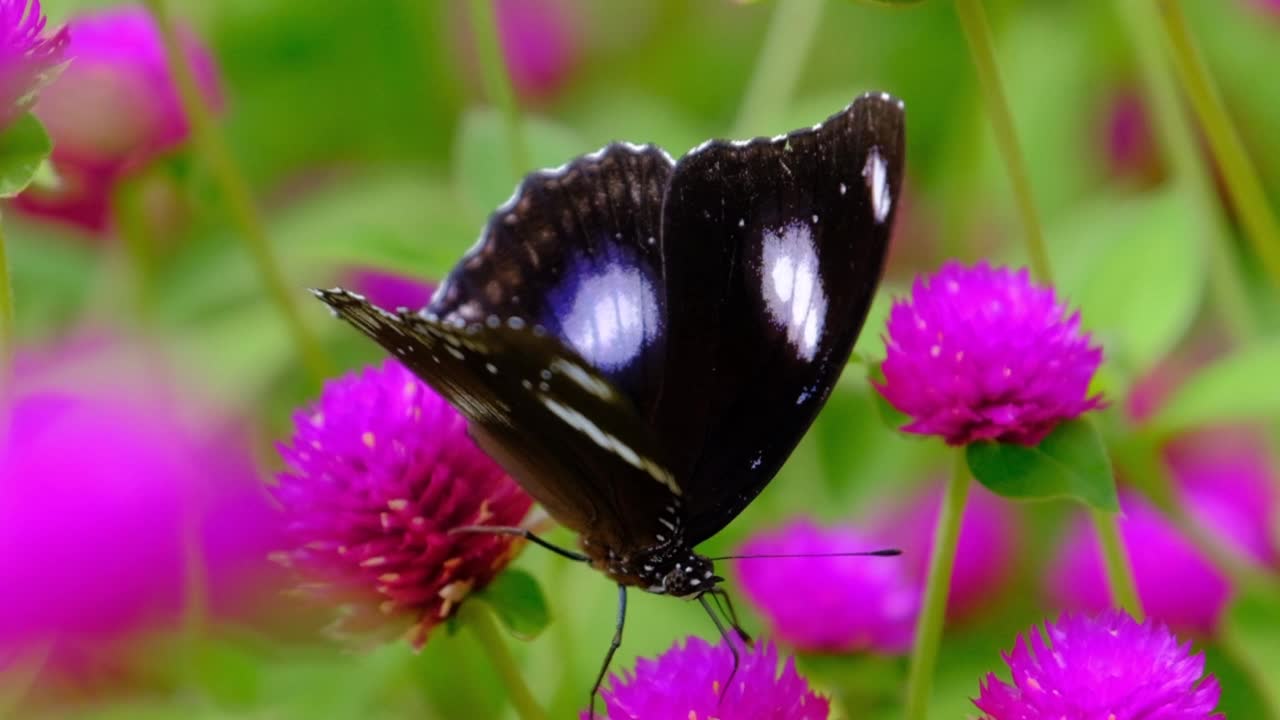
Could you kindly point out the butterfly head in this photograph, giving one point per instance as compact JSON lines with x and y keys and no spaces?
{"x":688,"y":577}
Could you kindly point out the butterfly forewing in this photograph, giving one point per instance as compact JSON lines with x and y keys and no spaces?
{"x":576,"y":251}
{"x":574,"y":441}
{"x":772,"y":251}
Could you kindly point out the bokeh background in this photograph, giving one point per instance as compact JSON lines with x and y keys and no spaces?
{"x":370,"y":146}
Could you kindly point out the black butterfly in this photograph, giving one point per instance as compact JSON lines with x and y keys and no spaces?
{"x":641,"y":342}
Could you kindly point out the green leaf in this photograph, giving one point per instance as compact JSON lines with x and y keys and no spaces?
{"x":24,"y":145}
{"x":1071,"y":462}
{"x":517,"y":599}
{"x":482,"y":155}
{"x":1240,"y":386}
{"x":1251,"y":636}
{"x":1138,"y":317}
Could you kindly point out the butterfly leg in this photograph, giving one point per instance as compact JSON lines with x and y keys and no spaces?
{"x":613,"y":647}
{"x":719,"y":594}
{"x":522,"y":533}
{"x":724,"y":633}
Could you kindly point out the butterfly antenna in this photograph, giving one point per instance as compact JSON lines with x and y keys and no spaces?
{"x":521,"y":533}
{"x":889,"y":552}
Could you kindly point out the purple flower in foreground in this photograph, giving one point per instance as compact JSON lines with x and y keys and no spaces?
{"x":27,"y":55}
{"x":114,"y":110}
{"x":101,"y":494}
{"x":687,"y":682}
{"x":1100,"y":668}
{"x":381,"y":469}
{"x":1231,"y":498}
{"x":832,"y":604}
{"x":984,"y":354}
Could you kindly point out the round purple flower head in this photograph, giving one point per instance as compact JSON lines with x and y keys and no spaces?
{"x":27,"y":55}
{"x":1103,"y":667}
{"x":381,"y":470}
{"x":982,"y":353}
{"x":114,"y":110}
{"x":686,"y":682}
{"x":831,"y":604}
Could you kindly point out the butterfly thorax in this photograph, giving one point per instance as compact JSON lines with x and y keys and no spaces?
{"x":668,"y":568}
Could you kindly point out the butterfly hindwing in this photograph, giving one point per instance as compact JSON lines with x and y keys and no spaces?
{"x":576,"y":251}
{"x":773,"y":249}
{"x":574,"y":440}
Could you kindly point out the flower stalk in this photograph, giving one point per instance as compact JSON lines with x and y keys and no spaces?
{"x":236,"y":193}
{"x":1192,"y":176}
{"x":928,"y":635}
{"x":497,"y":80}
{"x":1238,"y":173}
{"x":786,"y":47}
{"x":1119,"y":570}
{"x":973,"y":19}
{"x":478,"y":617}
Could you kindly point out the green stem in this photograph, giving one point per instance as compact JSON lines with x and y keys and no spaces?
{"x":478,"y":617}
{"x":8,"y":340}
{"x":1192,"y":176}
{"x":1228,"y":641}
{"x":136,"y":237}
{"x":236,"y":193}
{"x":1238,"y":172}
{"x":497,"y":82}
{"x":786,"y":47}
{"x":928,"y":638}
{"x":1120,"y":579}
{"x":973,"y":19}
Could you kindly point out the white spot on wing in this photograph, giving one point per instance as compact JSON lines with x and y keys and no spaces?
{"x":875,"y":172}
{"x":611,"y":316}
{"x":792,"y":286}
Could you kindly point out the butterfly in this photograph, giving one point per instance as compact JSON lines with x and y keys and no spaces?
{"x":641,"y":342}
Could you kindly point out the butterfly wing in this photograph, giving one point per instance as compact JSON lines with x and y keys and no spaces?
{"x":576,"y":251}
{"x":571,"y":439}
{"x":772,"y":251}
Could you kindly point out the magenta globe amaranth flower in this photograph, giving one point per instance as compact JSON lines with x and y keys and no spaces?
{"x":109,"y":487}
{"x":689,"y":682}
{"x":539,"y":44}
{"x":980,"y":353}
{"x":1101,"y":668}
{"x":984,"y":561}
{"x":114,"y":110}
{"x":381,"y":470}
{"x":1232,"y":498}
{"x":28,"y":55}
{"x":830,"y":604}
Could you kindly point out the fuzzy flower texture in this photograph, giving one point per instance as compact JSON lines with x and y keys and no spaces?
{"x":688,"y":682}
{"x":27,"y":55}
{"x":381,"y":470}
{"x":1104,"y":667}
{"x":983,"y":353}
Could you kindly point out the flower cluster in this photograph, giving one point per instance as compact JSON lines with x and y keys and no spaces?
{"x":984,"y":354}
{"x":381,"y":470}
{"x":1103,"y":667}
{"x":843,"y":604}
{"x":113,"y":111}
{"x":693,"y":682}
{"x":108,"y":481}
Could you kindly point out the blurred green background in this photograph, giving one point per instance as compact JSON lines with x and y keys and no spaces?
{"x":369,"y":142}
